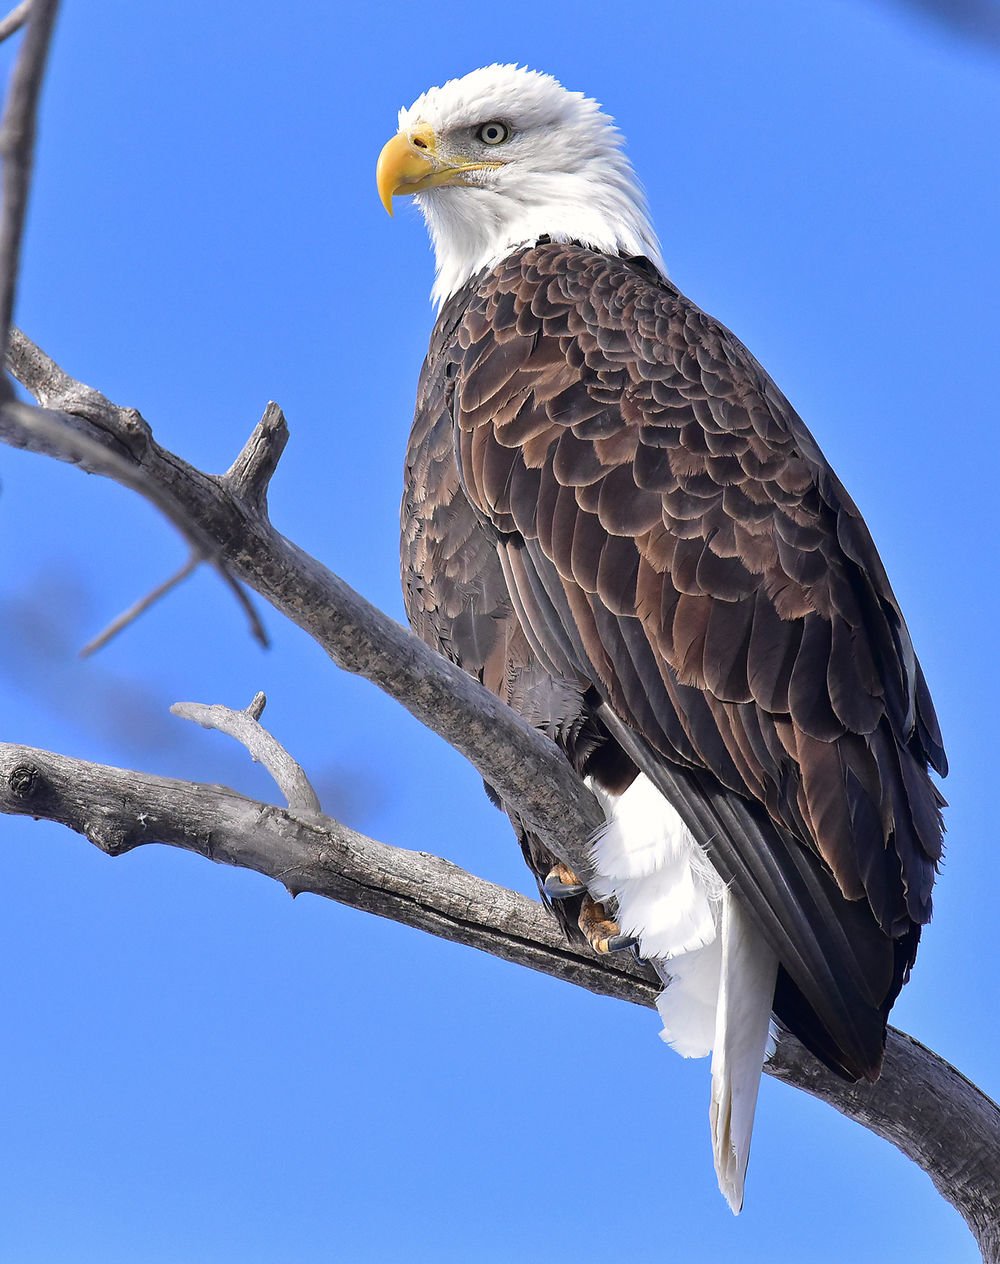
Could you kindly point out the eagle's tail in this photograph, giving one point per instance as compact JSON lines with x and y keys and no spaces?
{"x":749,"y":969}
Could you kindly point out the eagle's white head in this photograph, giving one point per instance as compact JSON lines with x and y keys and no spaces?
{"x":504,"y":156}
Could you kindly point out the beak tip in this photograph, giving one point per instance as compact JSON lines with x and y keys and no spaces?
{"x":402,"y":168}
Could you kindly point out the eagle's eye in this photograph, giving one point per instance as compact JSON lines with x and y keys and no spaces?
{"x":494,"y":133}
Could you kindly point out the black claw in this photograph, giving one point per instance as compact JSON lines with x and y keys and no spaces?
{"x":556,"y":889}
{"x":619,"y":942}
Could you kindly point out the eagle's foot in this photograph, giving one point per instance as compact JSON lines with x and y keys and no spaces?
{"x":602,"y":932}
{"x":562,"y":883}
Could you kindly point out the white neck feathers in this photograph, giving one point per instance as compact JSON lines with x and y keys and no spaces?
{"x":474,"y":228}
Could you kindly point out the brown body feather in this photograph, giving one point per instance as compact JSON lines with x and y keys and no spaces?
{"x":614,"y":518}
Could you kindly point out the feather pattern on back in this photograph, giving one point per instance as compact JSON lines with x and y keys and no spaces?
{"x":616,"y":521}
{"x":659,"y":524}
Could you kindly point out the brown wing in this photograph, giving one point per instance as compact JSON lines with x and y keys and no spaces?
{"x":670,"y":531}
{"x":453,"y":587}
{"x":456,"y":596}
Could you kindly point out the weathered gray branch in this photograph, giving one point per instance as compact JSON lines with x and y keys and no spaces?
{"x":928,"y":1110}
{"x":524,"y":766}
{"x":921,"y":1104}
{"x":260,"y":745}
{"x":14,"y":20}
{"x":17,"y":145}
{"x":118,"y":810}
{"x":250,"y":474}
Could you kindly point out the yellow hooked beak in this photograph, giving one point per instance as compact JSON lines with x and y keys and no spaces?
{"x":409,"y":163}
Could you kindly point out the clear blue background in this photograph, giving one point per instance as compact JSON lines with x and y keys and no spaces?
{"x":195,"y":1068}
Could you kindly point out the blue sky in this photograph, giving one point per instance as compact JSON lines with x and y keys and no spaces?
{"x":196,"y":1068}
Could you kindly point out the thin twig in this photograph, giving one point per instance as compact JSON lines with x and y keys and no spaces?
{"x":254,"y":621}
{"x":262,"y":747}
{"x":14,"y":20}
{"x":141,"y":606}
{"x":17,"y":147}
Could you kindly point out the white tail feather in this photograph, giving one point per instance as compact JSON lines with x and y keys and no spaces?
{"x":690,"y":1000}
{"x":719,"y":973}
{"x":647,"y":861}
{"x":749,"y":968}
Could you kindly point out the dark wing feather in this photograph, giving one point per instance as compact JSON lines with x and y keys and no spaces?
{"x":459,"y":600}
{"x":672,"y":535}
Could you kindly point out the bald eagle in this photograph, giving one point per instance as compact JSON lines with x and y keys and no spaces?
{"x":616,"y":521}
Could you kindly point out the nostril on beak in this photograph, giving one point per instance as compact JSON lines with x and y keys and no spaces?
{"x":418,"y":143}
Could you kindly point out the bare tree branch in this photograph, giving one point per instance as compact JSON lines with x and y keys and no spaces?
{"x":14,"y":20}
{"x":118,"y":810}
{"x":250,"y":474}
{"x":928,"y":1110}
{"x":17,"y":147}
{"x":525,"y":768}
{"x":920,"y":1103}
{"x":262,"y":747}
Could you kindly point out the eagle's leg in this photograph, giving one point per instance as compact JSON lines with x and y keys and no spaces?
{"x":601,"y":931}
{"x":561,"y":883}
